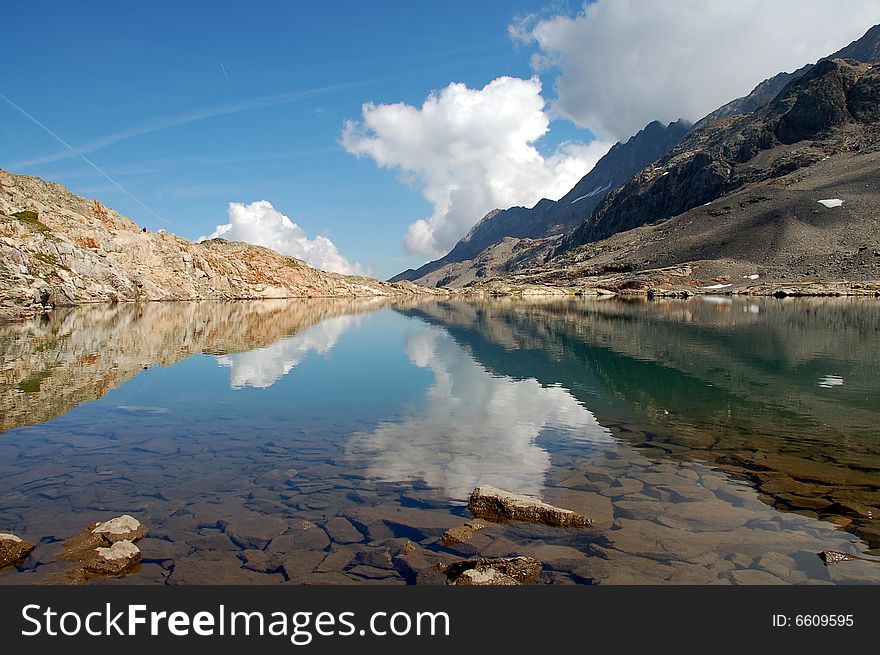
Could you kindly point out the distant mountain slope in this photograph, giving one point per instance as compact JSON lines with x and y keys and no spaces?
{"x":57,"y":248}
{"x":833,"y":108}
{"x":548,"y":218}
{"x":775,"y":230}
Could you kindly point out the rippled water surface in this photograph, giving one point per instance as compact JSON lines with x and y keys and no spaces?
{"x":714,"y":441}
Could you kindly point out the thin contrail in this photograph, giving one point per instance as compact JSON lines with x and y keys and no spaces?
{"x":86,"y":160}
{"x":194,"y":115}
{"x":223,"y":68}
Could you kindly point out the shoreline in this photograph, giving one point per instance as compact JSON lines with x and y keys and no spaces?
{"x":862,"y":289}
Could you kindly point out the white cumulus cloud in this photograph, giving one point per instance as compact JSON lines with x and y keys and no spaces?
{"x":261,"y":224}
{"x":469,"y":151}
{"x":624,"y":63}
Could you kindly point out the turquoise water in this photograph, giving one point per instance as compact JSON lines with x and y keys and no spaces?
{"x":714,"y":442}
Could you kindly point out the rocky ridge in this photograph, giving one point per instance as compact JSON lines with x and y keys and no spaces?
{"x":769,"y":238}
{"x":865,"y":49}
{"x":833,"y":109}
{"x":57,"y":248}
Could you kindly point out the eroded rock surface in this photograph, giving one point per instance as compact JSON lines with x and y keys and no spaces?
{"x":13,"y":549}
{"x":463,"y":533}
{"x":501,"y":571}
{"x":117,"y":559}
{"x":497,"y":505}
{"x":104,"y":548}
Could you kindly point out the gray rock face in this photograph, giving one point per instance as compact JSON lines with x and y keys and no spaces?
{"x":497,"y":505}
{"x":13,"y":549}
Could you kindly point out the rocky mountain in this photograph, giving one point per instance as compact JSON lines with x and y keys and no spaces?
{"x":866,"y":49}
{"x":832,"y":109}
{"x":57,"y":248}
{"x":769,"y":237}
{"x":508,"y":242}
{"x":494,"y":244}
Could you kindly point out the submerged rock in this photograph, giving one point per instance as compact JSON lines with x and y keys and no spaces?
{"x":501,"y":571}
{"x":342,"y":531}
{"x":419,"y":565}
{"x":463,"y":533}
{"x":13,"y":549}
{"x":498,"y":505}
{"x":253,"y":530}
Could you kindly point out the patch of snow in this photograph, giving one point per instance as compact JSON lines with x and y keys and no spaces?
{"x":831,"y":203}
{"x":830,"y":381}
{"x":5,"y":536}
{"x":717,"y":286}
{"x":753,"y":276}
{"x":598,"y":189}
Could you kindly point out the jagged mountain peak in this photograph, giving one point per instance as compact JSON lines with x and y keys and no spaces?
{"x":548,"y":218}
{"x":832,"y":108}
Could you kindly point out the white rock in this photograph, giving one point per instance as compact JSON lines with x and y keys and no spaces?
{"x":120,"y":550}
{"x":119,"y":525}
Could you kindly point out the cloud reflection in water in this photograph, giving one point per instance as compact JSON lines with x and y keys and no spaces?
{"x":472,"y":427}
{"x":263,"y":367}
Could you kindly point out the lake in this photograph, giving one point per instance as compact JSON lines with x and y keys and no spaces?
{"x":714,"y":440}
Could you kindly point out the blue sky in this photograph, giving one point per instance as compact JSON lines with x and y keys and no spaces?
{"x":191,"y":106}
{"x":99,"y":68}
